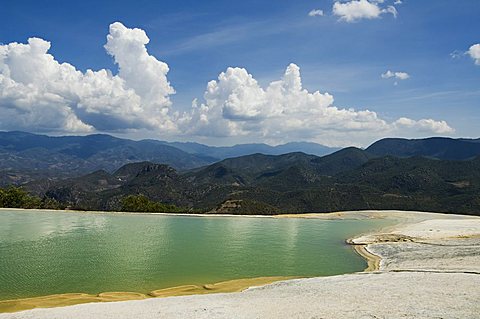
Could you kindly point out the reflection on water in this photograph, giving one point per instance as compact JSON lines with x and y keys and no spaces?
{"x":16,"y":226}
{"x":56,"y":252}
{"x":290,"y":231}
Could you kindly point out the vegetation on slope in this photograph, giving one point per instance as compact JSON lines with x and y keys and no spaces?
{"x":435,"y":147}
{"x":140,"y":203}
{"x":16,"y":197}
{"x":26,"y":157}
{"x":350,"y":179}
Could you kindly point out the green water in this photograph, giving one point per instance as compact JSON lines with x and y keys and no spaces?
{"x":44,"y":253}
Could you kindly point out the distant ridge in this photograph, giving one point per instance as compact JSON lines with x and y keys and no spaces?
{"x":223,"y":152}
{"x":25,"y":157}
{"x":434,"y":147}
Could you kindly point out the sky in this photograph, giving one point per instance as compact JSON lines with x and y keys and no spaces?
{"x":338,"y":73}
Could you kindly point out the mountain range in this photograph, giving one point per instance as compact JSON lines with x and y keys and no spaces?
{"x":96,"y":172}
{"x":222,"y":152}
{"x":25,"y":157}
{"x":349,"y":179}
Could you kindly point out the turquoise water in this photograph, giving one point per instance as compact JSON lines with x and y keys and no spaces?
{"x":44,"y":253}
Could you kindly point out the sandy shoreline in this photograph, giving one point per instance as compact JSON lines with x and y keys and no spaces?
{"x":422,"y":250}
{"x":358,"y":214}
{"x":68,"y":299}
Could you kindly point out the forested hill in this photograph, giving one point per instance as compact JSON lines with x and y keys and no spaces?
{"x":434,"y":147}
{"x":350,"y":179}
{"x":25,"y":157}
{"x":99,"y":171}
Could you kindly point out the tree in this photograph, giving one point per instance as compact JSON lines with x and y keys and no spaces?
{"x":16,"y":197}
{"x":140,"y":203}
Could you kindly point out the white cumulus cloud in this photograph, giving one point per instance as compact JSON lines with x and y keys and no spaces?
{"x":397,"y":75}
{"x":316,"y":13}
{"x":39,"y":93}
{"x":355,"y":10}
{"x":424,"y":125}
{"x":474,"y":52}
{"x":236,"y":105}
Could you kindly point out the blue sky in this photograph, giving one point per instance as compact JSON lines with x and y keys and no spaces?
{"x":200,"y":39}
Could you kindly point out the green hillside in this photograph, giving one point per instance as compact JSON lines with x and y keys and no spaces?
{"x":350,"y":179}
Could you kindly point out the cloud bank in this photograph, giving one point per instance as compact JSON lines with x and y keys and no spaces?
{"x":235,"y":105}
{"x":37,"y":93}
